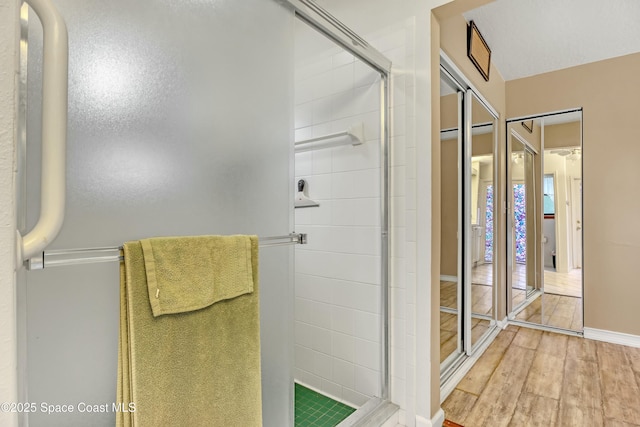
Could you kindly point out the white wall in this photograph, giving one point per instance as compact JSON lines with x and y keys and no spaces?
{"x":9,"y":67}
{"x":337,"y":309}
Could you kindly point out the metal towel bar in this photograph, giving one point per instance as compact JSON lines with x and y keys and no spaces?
{"x":63,"y":257}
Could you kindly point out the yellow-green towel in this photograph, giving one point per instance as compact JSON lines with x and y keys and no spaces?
{"x":195,"y":368}
{"x":190,"y":273}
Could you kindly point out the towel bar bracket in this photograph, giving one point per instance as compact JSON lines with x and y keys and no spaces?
{"x":36,"y":262}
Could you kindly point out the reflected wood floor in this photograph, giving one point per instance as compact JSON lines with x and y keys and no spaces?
{"x":534,"y":378}
{"x":481,"y":304}
{"x":449,"y":332}
{"x":554,"y":310}
{"x":480,"y":301}
{"x":569,"y":284}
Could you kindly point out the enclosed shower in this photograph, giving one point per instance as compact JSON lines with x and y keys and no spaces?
{"x":339,"y":273}
{"x":187,"y":118}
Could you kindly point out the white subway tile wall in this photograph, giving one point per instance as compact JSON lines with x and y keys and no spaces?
{"x":397,"y":42}
{"x":338,"y":273}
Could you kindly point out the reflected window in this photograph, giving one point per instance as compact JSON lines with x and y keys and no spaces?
{"x":549,"y":196}
{"x":520,"y":222}
{"x":488,"y":237}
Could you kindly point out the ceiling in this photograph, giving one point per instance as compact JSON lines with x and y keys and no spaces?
{"x":532,"y":37}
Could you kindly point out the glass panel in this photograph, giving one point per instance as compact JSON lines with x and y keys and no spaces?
{"x":558,"y":250}
{"x":450,"y":280}
{"x":338,"y":284}
{"x":481,"y":217}
{"x":179,"y":123}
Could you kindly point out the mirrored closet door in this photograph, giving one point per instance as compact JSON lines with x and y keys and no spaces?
{"x":451,"y":97}
{"x":478,"y":219}
{"x":467,"y":265}
{"x":546,"y":220}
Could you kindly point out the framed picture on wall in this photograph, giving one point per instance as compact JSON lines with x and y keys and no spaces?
{"x":478,"y":50}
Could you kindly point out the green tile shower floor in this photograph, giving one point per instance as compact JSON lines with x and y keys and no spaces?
{"x":316,"y":410}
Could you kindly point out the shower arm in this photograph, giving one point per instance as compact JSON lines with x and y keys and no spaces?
{"x":54,"y":132}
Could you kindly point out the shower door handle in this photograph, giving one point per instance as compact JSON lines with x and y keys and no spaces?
{"x":54,"y":132}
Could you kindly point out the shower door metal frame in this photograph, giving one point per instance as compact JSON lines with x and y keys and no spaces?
{"x":377,"y":408}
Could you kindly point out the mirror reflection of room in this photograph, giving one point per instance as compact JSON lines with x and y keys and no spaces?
{"x":523,"y":220}
{"x":482,"y":219}
{"x":560,"y":217}
{"x":467,"y":291}
{"x":450,"y":346}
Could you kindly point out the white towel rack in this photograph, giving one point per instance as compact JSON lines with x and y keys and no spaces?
{"x":354,"y":136}
{"x":54,"y":132}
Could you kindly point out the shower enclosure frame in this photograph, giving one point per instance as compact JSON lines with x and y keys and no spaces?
{"x":377,"y":408}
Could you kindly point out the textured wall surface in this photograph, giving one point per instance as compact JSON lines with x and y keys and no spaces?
{"x":8,"y":68}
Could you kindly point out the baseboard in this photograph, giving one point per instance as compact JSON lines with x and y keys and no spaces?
{"x":436,"y":421}
{"x":438,"y":418}
{"x":612,"y":337}
{"x":445,"y":278}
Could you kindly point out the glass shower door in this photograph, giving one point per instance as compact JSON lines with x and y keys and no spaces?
{"x":180,"y":118}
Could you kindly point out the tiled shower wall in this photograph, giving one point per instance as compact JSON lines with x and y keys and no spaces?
{"x":337,"y":281}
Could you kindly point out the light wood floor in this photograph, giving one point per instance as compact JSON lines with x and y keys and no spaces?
{"x":533,"y":378}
